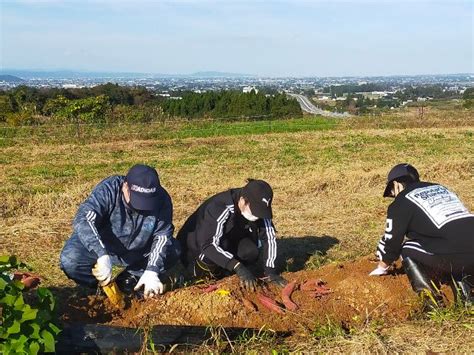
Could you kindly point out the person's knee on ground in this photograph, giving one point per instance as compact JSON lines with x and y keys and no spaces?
{"x":247,"y":251}
{"x":421,"y":283}
{"x":77,"y":263}
{"x":202,"y":268}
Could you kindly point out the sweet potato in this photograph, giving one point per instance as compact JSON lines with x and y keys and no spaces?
{"x":210,"y":288}
{"x":286,"y":296}
{"x":320,"y":291}
{"x":28,"y":279}
{"x":270,"y":304}
{"x":312,"y":285}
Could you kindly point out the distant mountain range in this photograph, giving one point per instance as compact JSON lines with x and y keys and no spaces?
{"x":10,"y":78}
{"x":71,"y":74}
{"x":218,"y":74}
{"x":19,"y":74}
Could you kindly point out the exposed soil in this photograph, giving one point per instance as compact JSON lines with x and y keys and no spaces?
{"x":355,"y":298}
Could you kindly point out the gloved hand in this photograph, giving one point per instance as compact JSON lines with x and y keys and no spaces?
{"x":273,"y":276}
{"x":102,"y":270}
{"x":247,"y":279}
{"x":152,"y":284}
{"x":381,"y":269}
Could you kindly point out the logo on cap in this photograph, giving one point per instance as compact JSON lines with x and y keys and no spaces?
{"x":266,"y":201}
{"x":143,"y":190}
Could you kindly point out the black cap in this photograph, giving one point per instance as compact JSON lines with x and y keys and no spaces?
{"x":259,"y":194}
{"x":145,"y":189}
{"x":398,"y":171}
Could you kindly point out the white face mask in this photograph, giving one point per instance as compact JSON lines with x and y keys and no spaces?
{"x":249,"y":216}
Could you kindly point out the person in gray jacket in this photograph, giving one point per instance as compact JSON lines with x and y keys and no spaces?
{"x":127,"y":220}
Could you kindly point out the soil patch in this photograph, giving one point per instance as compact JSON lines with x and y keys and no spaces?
{"x":355,"y":298}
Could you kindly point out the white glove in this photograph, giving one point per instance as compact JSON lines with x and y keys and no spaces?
{"x":102,"y":270}
{"x":152,"y":283}
{"x":379,"y":271}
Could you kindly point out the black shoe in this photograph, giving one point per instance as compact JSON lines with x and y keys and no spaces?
{"x":422,"y":285}
{"x":126,"y":282}
{"x":464,"y":291}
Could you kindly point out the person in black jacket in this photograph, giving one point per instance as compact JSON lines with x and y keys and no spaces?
{"x":225,"y":233}
{"x":429,"y":227}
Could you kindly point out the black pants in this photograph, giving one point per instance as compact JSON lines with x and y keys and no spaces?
{"x":457,"y":266}
{"x":245,"y":250}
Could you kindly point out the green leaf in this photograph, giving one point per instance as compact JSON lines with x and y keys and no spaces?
{"x":14,"y":328}
{"x":28,"y":313}
{"x":3,"y":283}
{"x":34,"y":348}
{"x":48,"y":341}
{"x":43,"y":316}
{"x":46,"y":298}
{"x":19,"y":344}
{"x":19,"y":302}
{"x":8,"y":300}
{"x":4,"y":259}
{"x":4,"y":348}
{"x":18,"y":285}
{"x":54,"y":329}
{"x":35,"y":331}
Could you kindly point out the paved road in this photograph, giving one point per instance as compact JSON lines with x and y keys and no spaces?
{"x":307,"y":106}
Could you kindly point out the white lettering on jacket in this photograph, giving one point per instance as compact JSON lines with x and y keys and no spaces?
{"x":388,"y":229}
{"x":439,"y":204}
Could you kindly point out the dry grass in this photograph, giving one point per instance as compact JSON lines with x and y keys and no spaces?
{"x":326,"y":183}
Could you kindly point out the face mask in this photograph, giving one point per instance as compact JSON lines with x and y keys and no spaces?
{"x":249,"y":216}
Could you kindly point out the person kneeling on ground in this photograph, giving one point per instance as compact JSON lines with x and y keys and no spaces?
{"x":439,"y":231}
{"x":226,"y":231}
{"x":127,"y":221}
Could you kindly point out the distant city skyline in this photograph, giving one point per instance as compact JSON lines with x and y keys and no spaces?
{"x":272,"y":38}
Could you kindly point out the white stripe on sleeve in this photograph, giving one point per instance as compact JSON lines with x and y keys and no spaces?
{"x":272,"y":247}
{"x":91,"y":220}
{"x":219,"y":231}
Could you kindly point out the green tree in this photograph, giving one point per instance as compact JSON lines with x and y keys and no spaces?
{"x":56,"y":105}
{"x":468,"y":98}
{"x":6,"y":107}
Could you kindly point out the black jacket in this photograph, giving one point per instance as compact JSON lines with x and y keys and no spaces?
{"x":217,"y":219}
{"x":432,"y":218}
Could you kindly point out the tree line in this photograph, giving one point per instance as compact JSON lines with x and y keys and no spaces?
{"x":232,"y":104}
{"x":25,"y":105}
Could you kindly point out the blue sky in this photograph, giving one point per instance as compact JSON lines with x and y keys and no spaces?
{"x":275,"y":38}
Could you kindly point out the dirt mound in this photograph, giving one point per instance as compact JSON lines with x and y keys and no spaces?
{"x":355,"y":298}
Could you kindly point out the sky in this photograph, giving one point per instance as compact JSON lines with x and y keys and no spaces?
{"x":267,"y":38}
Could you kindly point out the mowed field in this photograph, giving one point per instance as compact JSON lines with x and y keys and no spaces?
{"x":328,"y":178}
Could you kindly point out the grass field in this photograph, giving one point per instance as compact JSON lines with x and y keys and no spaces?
{"x":328,"y":178}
